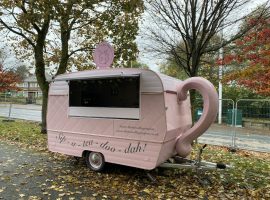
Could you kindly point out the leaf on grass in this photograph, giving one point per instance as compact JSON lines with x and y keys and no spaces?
{"x":34,"y":198}
{"x":147,"y":191}
{"x":202,"y":193}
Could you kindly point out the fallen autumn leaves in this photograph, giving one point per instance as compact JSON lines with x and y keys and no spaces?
{"x":30,"y":172}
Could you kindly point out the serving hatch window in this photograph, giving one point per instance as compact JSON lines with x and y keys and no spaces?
{"x":113,"y":92}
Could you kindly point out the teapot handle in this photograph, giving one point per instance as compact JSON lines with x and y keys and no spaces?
{"x":210,"y":109}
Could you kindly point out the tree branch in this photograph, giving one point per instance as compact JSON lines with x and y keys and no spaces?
{"x":18,"y":33}
{"x":81,"y":49}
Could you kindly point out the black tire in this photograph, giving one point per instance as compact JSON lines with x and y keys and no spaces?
{"x":77,"y":159}
{"x":95,"y":161}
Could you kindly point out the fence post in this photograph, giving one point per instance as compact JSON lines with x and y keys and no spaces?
{"x":233,"y":116}
{"x":234,"y":128}
{"x":9,"y":115}
{"x":233,"y":122}
{"x":9,"y":112}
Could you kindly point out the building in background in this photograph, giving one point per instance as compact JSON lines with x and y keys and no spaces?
{"x":30,"y":89}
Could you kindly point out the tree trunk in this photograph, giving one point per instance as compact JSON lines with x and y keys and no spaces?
{"x":42,"y":82}
{"x":44,"y":86}
{"x":194,"y":72}
{"x":45,"y":92}
{"x":192,"y":104}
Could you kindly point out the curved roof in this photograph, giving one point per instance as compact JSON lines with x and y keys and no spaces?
{"x":150,"y":80}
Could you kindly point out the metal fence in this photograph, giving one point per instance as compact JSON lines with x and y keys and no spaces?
{"x":221,"y":132}
{"x":252,"y":128}
{"x":20,"y":107}
{"x":20,"y":111}
{"x":9,"y":98}
{"x":244,"y":124}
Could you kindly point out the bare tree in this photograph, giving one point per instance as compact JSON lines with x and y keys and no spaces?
{"x":185,"y":29}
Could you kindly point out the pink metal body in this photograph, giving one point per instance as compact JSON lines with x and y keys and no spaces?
{"x":162,"y":130}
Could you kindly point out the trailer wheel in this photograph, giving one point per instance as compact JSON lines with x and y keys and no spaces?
{"x":95,"y":161}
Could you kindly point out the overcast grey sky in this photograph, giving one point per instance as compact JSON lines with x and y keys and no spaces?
{"x":144,"y":57}
{"x":153,"y":62}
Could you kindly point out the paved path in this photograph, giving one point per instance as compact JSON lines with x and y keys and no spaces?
{"x":28,"y":174}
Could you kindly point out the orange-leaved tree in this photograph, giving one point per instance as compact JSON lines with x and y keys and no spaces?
{"x":250,"y":58}
{"x":8,"y":80}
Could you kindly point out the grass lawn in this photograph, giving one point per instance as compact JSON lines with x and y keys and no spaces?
{"x":25,"y":133}
{"x":248,"y":179}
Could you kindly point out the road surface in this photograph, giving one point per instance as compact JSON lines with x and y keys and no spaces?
{"x":27,"y":112}
{"x":242,"y":141}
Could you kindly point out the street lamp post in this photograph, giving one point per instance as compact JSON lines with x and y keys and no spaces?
{"x":220,"y":69}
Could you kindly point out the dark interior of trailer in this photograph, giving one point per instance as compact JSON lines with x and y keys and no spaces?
{"x":113,"y":92}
